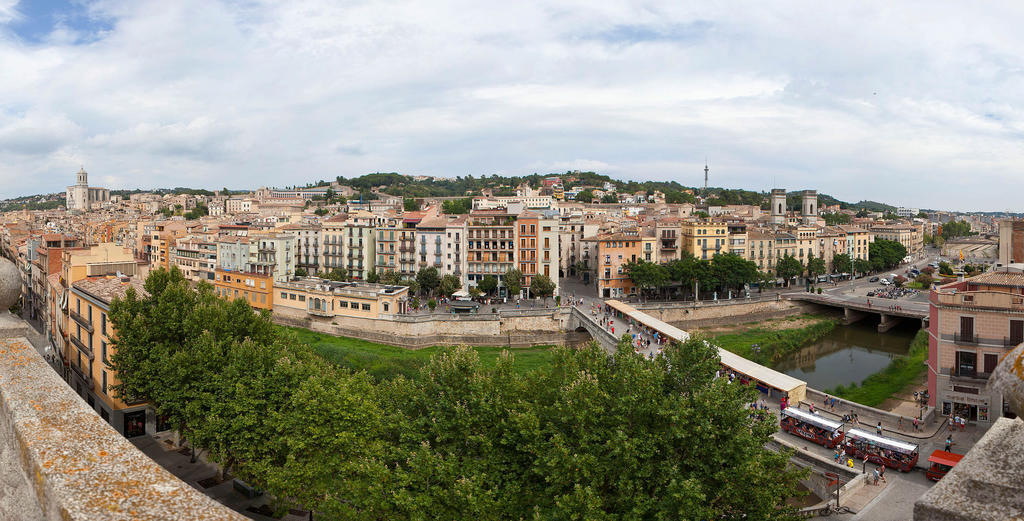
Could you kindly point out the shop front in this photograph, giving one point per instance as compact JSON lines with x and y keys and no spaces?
{"x":967,"y":402}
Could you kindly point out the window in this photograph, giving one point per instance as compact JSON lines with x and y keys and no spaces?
{"x":302,"y":298}
{"x":284,"y":295}
{"x":1016,"y":332}
{"x":104,"y":382}
{"x":103,"y":351}
{"x":386,"y":304}
{"x":342,"y":304}
{"x":366,"y":307}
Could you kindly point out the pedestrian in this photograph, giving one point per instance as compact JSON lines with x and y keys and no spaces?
{"x":963,"y":424}
{"x":881,"y":473}
{"x":899,"y":424}
{"x":849,"y":462}
{"x":811,"y":408}
{"x":917,"y":425}
{"x":837,"y":456}
{"x":878,"y":428}
{"x":876,"y":477}
{"x":949,"y":442}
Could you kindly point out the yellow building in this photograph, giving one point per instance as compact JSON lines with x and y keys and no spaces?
{"x":904,"y":234}
{"x":705,"y":239}
{"x":99,"y":260}
{"x":325,"y":298}
{"x":90,"y":340}
{"x":255,"y":288}
{"x":613,"y":252}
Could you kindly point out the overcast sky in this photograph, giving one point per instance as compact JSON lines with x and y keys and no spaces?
{"x":915,"y":104}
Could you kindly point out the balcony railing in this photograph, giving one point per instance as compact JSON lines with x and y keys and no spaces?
{"x":319,"y":312}
{"x":87,"y":378}
{"x":86,"y":325}
{"x":81,"y":346}
{"x":964,"y":373}
{"x":960,"y":338}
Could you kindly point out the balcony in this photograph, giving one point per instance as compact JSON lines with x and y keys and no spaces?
{"x":406,"y":248}
{"x":964,"y":373}
{"x":319,"y":312}
{"x":959,"y":338}
{"x":82,"y":347}
{"x":86,"y":325}
{"x":87,"y":378}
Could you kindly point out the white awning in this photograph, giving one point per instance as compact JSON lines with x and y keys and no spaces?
{"x":882,"y":441}
{"x":812,"y":419}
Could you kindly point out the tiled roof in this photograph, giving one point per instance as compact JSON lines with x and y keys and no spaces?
{"x":106,"y":288}
{"x":1000,"y":278}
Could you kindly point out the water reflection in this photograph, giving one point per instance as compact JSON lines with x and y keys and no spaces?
{"x":848,"y":354}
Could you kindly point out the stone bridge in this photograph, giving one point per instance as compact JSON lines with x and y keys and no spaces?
{"x":579,"y":320}
{"x":857,"y":308}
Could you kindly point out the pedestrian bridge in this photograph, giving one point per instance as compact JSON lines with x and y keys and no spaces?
{"x":767,"y":380}
{"x":891,"y":312}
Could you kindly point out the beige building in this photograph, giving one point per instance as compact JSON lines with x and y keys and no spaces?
{"x":324,"y":298}
{"x":973,"y":324}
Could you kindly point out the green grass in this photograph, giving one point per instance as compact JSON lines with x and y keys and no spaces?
{"x":384,"y":362}
{"x":773,"y":344}
{"x":880,"y":386}
{"x":915,"y":285}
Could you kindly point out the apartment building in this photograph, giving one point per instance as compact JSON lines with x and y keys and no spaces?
{"x":613,"y":251}
{"x":273,"y":255}
{"x":490,"y":246}
{"x":430,"y":243}
{"x":538,"y":248}
{"x":196,"y":257}
{"x":704,"y":239}
{"x":90,"y":337}
{"x":904,"y":234}
{"x":256,"y":288}
{"x":973,"y":323}
{"x":308,"y":239}
{"x":328,"y":299}
{"x":387,"y":253}
{"x":455,"y":255}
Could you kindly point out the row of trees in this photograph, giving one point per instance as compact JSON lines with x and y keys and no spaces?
{"x":429,"y":282}
{"x":720,"y":273}
{"x":590,"y":436}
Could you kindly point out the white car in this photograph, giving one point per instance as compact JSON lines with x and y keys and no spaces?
{"x":884,"y":282}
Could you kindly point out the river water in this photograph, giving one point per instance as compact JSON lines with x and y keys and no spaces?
{"x":848,"y":354}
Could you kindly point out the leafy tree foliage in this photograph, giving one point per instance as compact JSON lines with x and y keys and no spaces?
{"x":841,"y":263}
{"x":955,"y":229}
{"x":301,"y":272}
{"x":815,"y":266}
{"x":542,"y":286}
{"x":886,"y":254}
{"x":679,"y":198}
{"x":449,"y":284}
{"x":410,"y":204}
{"x":862,"y":265}
{"x":428,"y":279}
{"x":339,"y":274}
{"x":457,"y":206}
{"x":513,"y":281}
{"x":488,"y":284}
{"x":789,"y":267}
{"x":609,"y":198}
{"x":833,"y":219}
{"x":585,"y":196}
{"x":587,"y":437}
{"x":372,"y":276}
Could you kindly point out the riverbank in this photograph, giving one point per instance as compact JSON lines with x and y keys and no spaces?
{"x":769,"y":342}
{"x":385,"y":362}
{"x":900,"y":373}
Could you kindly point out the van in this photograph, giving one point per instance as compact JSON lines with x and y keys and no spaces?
{"x":822,"y":278}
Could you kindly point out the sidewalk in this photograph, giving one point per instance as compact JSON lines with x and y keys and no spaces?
{"x":202,"y":472}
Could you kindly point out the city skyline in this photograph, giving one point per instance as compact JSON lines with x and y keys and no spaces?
{"x":211,"y":94}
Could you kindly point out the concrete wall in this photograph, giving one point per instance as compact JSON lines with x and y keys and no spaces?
{"x":689,"y":316}
{"x":522,"y":328}
{"x":61,"y":461}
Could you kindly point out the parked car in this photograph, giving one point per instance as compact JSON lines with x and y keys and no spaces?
{"x":885,"y":282}
{"x":871,"y":293}
{"x":873,"y":279}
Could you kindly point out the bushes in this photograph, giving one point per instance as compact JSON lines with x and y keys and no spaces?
{"x":767,"y":346}
{"x":880,"y":386}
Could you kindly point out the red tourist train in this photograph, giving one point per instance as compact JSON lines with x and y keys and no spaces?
{"x":890,"y":452}
{"x":942,"y":462}
{"x":812,"y":427}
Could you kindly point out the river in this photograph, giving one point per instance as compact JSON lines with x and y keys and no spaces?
{"x":848,"y":354}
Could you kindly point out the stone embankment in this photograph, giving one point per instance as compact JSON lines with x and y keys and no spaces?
{"x":511,"y":328}
{"x":702,"y":315}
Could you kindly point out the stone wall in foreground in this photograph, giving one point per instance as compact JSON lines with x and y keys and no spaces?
{"x":60,"y":461}
{"x":687,"y":315}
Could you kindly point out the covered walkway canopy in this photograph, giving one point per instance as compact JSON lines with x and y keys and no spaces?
{"x":767,"y":380}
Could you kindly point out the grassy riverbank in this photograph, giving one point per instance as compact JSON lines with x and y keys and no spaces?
{"x":384,"y":362}
{"x":882,"y":385}
{"x":768,"y":344}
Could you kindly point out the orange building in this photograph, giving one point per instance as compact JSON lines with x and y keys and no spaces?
{"x":614,"y":252}
{"x":257,"y":289}
{"x":90,"y":333}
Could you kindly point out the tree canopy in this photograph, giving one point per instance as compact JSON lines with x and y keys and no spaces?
{"x":788,"y":267}
{"x":885,"y":254}
{"x":513,"y":281}
{"x":589,"y":436}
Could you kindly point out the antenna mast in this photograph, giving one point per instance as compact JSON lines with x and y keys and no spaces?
{"x":705,"y":176}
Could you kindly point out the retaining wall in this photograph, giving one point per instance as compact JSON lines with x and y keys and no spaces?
{"x":60,"y":461}
{"x":523,"y":328}
{"x":690,"y":315}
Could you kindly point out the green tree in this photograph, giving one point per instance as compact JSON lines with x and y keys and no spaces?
{"x":392,"y":277}
{"x":474,"y":292}
{"x":585,"y":196}
{"x":647,"y":275}
{"x":410,"y":204}
{"x":925,"y":280}
{"x":372,"y":276}
{"x":610,"y":198}
{"x":788,"y":267}
{"x":301,"y":272}
{"x":339,"y":274}
{"x":841,"y":263}
{"x":833,"y":219}
{"x":885,"y":254}
{"x":457,"y":206}
{"x":432,"y":304}
{"x":730,"y":271}
{"x":513,"y":281}
{"x":815,"y":266}
{"x":678,"y":197}
{"x":321,"y":211}
{"x":488,"y":284}
{"x":922,"y":215}
{"x":428,"y":279}
{"x":862,"y":265}
{"x":449,"y":284}
{"x":541,"y":286}
{"x":945,"y":269}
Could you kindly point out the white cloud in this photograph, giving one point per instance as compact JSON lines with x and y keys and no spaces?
{"x":864,"y":101}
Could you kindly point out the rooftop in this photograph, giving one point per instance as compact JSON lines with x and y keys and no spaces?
{"x":107,"y":288}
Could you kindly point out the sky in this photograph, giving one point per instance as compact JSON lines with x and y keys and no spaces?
{"x":912,"y":103}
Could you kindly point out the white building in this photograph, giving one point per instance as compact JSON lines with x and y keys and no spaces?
{"x":81,"y":198}
{"x":907,"y":212}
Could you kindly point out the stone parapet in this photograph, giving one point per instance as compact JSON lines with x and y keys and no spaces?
{"x":60,"y":461}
